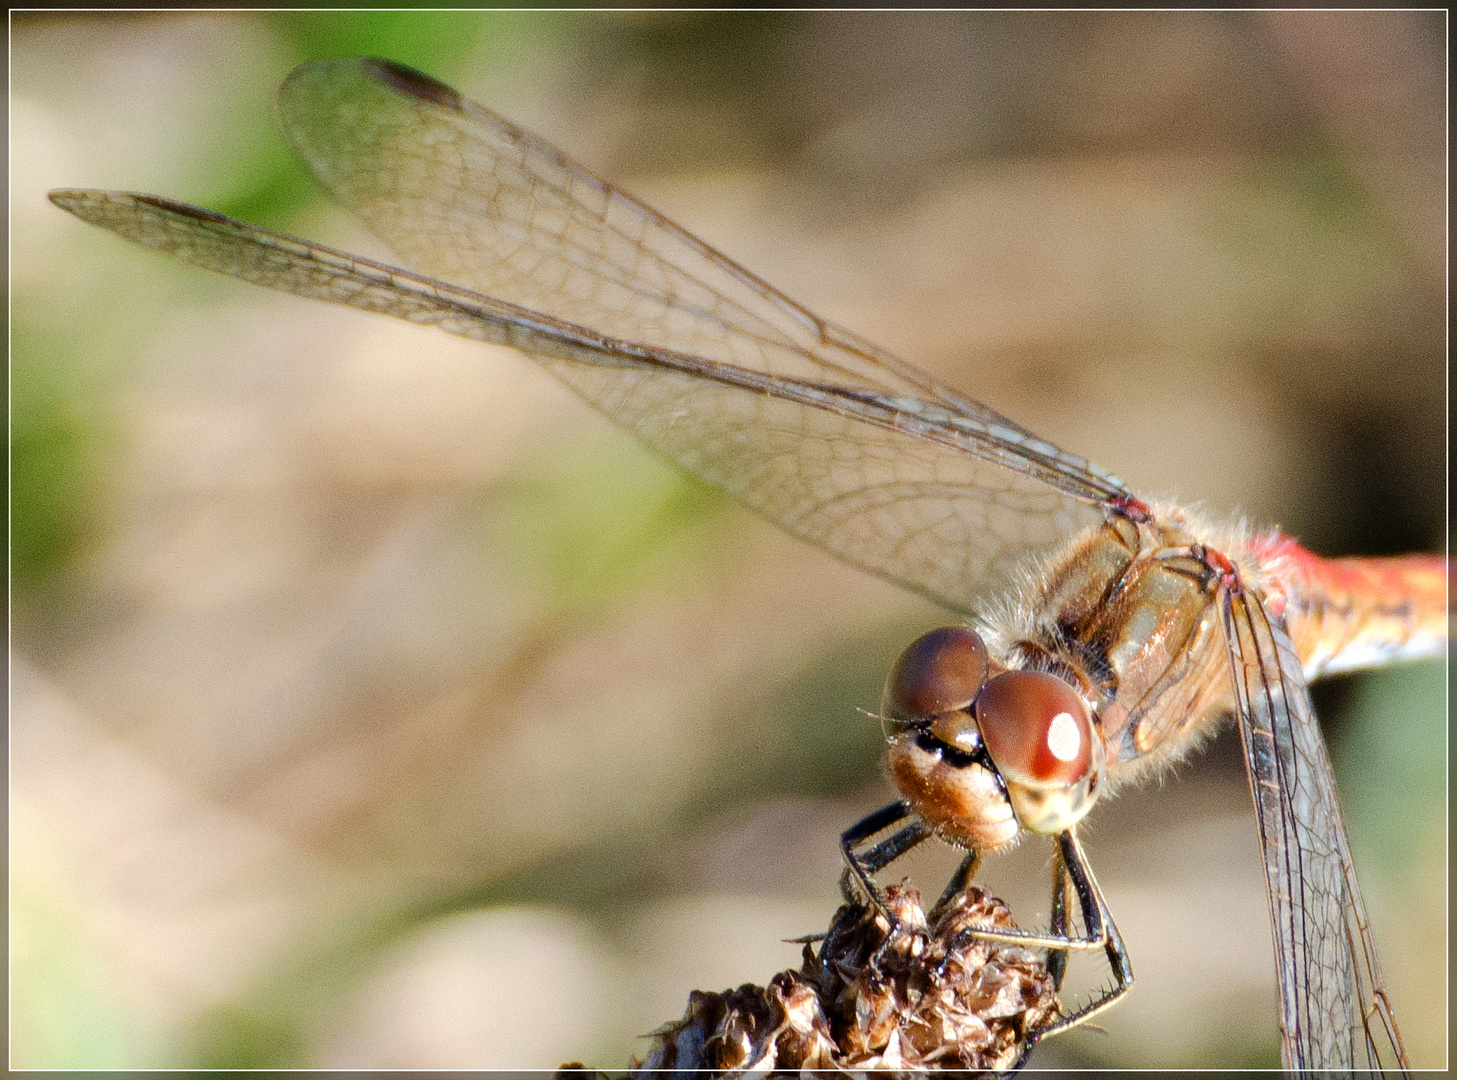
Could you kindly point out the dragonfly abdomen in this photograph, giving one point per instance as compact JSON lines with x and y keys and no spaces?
{"x":1347,"y":614}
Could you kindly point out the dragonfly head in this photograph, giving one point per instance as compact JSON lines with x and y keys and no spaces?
{"x":982,"y":758}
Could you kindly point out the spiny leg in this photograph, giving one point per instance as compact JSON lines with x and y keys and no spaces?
{"x":860,"y":869}
{"x":964,"y":873}
{"x":1071,"y":876}
{"x":1071,"y":866}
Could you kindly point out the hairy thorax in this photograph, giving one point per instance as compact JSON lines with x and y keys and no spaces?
{"x":1127,"y":614}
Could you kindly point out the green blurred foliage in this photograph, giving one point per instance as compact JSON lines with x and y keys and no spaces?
{"x":271,"y":1027}
{"x":437,"y":42}
{"x":62,"y":433}
{"x":592,"y":520}
{"x":1391,"y":765}
{"x":1322,"y":176}
{"x":429,"y":40}
{"x":67,"y":1017}
{"x":698,"y":56}
{"x":1297,"y":270}
{"x":55,"y":442}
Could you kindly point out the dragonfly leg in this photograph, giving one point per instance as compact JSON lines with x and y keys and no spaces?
{"x":1057,"y":958}
{"x":861,"y":867}
{"x":1070,"y":867}
{"x":964,"y":873}
{"x":1071,"y":873}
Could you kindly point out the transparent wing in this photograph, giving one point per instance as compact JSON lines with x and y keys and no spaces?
{"x":465,"y":196}
{"x":897,"y":485}
{"x":1334,"y":1011}
{"x":837,"y":442}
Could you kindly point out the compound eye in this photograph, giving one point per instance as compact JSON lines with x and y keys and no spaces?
{"x":938,"y":672}
{"x":1036,"y":729}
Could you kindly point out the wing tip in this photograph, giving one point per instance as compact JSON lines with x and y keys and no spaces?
{"x":66,"y":198}
{"x":406,"y":80}
{"x":84,"y":203}
{"x":88,"y":203}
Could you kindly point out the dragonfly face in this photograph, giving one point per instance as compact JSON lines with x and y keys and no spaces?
{"x":978,"y":758}
{"x":1136,"y":629}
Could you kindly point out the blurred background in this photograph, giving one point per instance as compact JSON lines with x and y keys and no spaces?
{"x":376,"y":704}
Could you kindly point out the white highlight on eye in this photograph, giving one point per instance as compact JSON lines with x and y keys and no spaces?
{"x":1063,"y":737}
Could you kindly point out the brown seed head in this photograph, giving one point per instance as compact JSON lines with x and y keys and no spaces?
{"x":921,"y":997}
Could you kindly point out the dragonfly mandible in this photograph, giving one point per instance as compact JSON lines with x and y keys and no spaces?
{"x":1123,"y":629}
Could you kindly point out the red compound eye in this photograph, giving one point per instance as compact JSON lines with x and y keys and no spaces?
{"x":1036,"y":728}
{"x":938,"y":672}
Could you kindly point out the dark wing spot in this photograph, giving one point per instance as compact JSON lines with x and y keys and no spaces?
{"x":409,"y":81}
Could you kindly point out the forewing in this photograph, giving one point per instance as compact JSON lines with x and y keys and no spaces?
{"x":898,"y":486}
{"x":465,"y":196}
{"x":1334,"y":1011}
{"x":837,"y":442}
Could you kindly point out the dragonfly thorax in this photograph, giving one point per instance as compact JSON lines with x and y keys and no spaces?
{"x":1128,"y":615}
{"x":1108,"y":666}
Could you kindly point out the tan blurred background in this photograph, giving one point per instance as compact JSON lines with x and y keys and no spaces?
{"x":376,"y":704}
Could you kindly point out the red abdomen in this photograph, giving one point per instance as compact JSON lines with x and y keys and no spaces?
{"x":1345,"y":614}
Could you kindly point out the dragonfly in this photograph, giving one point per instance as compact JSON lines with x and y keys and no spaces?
{"x":1102,"y":637}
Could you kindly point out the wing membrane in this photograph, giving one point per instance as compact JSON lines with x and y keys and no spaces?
{"x":464,"y":195}
{"x":838,"y":442}
{"x":896,"y":485}
{"x":1333,"y":1007}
